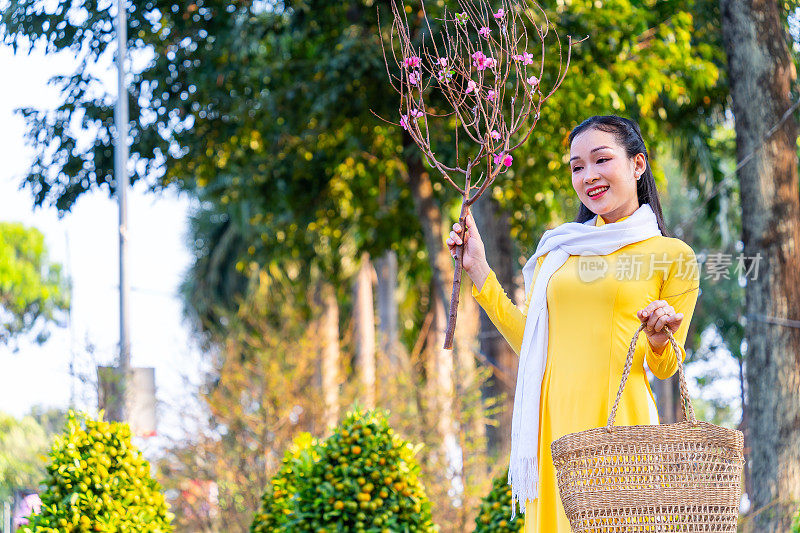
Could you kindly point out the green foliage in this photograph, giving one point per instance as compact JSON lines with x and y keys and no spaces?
{"x":276,"y":504}
{"x":30,"y":287}
{"x":214,"y":285}
{"x":97,"y":480}
{"x":23,"y":448}
{"x":267,"y":115}
{"x":309,"y":174}
{"x":718,"y":315}
{"x":364,"y":477}
{"x":496,"y":508}
{"x":52,"y":419}
{"x":796,"y":523}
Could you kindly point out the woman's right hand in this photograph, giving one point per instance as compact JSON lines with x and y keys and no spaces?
{"x":474,"y":254}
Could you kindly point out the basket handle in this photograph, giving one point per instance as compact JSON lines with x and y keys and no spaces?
{"x":686,"y":404}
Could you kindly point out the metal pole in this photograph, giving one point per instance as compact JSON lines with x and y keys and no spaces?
{"x":68,"y":263}
{"x":121,"y":175}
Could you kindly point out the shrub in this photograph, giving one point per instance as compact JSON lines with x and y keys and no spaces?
{"x":495,"y":509}
{"x":276,"y":504}
{"x":98,"y":481}
{"x":363,"y":478}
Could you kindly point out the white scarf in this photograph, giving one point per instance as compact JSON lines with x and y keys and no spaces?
{"x":571,"y":238}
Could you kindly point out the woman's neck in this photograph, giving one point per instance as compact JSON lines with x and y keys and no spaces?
{"x":613,"y":216}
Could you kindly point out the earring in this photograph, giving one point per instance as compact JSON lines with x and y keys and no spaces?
{"x":638,"y":176}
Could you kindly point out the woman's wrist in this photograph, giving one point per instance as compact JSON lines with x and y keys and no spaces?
{"x":478,"y":274}
{"x":658,"y":350}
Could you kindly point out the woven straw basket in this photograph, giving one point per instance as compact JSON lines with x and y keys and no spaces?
{"x":671,"y":477}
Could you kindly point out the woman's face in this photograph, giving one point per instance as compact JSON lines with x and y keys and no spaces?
{"x":598,"y":161}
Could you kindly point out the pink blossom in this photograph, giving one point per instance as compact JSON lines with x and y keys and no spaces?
{"x":412,"y":62}
{"x":533,"y":80}
{"x":482,"y":62}
{"x":500,"y":13}
{"x":504,"y":159}
{"x":472,"y":86}
{"x":484,"y":32}
{"x":414,"y":113}
{"x":444,"y":76}
{"x":526,"y":58}
{"x":413,"y":78}
{"x":442,"y":61}
{"x":491,"y":94}
{"x":494,"y":134}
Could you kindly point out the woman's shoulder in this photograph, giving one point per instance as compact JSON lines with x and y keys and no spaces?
{"x":673,"y":247}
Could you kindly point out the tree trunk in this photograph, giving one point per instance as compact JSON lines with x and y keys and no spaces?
{"x":430,"y":218}
{"x":665,"y":400}
{"x":439,"y":374}
{"x":386,"y":268}
{"x":365,"y":331}
{"x":466,"y":344}
{"x":472,"y":428}
{"x":761,"y":73}
{"x":494,"y":228}
{"x":748,"y":478}
{"x":330,"y":354}
{"x":439,"y":367}
{"x":667,"y":391}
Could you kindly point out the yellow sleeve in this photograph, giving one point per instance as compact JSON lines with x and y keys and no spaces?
{"x":680,"y":290}
{"x":507,"y":317}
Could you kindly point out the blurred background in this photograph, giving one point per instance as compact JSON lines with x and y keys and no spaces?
{"x":286,"y":255}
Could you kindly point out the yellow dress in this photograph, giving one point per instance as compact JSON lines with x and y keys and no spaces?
{"x":591,"y":324}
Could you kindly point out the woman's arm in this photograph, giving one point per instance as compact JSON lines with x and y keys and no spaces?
{"x":507,"y":317}
{"x":680,"y":290}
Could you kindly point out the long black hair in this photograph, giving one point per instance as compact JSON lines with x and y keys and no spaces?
{"x":629,"y":136}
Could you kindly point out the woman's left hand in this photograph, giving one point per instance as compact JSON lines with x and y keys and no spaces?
{"x":655,"y":316}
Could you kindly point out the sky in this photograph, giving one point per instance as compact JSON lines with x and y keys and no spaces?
{"x":85,"y":242}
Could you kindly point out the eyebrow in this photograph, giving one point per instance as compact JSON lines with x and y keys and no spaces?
{"x":593,"y":150}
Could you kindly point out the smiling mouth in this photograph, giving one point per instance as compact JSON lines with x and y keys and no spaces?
{"x":597,"y":192}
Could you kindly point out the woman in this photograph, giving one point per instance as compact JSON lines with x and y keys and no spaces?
{"x":589,"y":286}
